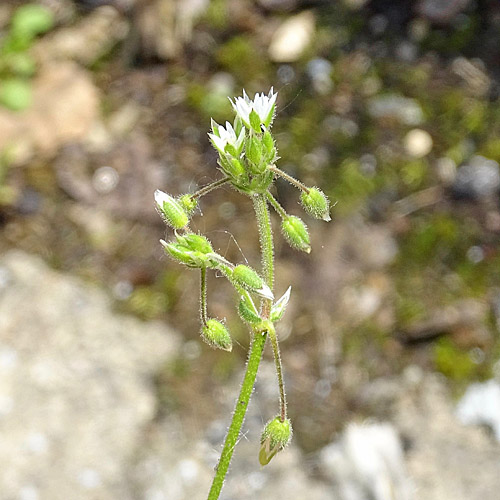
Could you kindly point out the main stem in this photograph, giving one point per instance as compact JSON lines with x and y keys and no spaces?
{"x":255,"y":354}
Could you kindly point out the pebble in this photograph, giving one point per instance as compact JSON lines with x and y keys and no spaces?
{"x":292,"y":38}
{"x":403,"y":109}
{"x":418,"y":143}
{"x":480,"y":178}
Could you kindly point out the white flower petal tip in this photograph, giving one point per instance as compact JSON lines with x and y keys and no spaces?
{"x":265,"y":292}
{"x":161,"y":197}
{"x":262,"y":104}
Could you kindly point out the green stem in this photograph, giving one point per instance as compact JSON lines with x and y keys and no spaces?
{"x":254,"y":357}
{"x":266,"y":245}
{"x":274,"y":202}
{"x":203,"y":296}
{"x":279,"y":372}
{"x":289,"y":178}
{"x":256,"y":349}
{"x":210,"y":187}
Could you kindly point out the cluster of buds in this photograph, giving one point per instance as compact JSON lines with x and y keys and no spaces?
{"x":246,"y":157}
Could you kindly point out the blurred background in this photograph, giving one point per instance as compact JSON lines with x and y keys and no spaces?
{"x":390,"y":342}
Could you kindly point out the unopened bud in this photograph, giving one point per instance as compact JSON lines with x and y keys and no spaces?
{"x":295,"y":232}
{"x":171,"y":210}
{"x":195,"y":242}
{"x":247,"y":278}
{"x":275,"y":437}
{"x":248,"y":313}
{"x":278,"y":309}
{"x":184,"y":255}
{"x":316,"y":204}
{"x":215,"y":334}
{"x":188,"y":203}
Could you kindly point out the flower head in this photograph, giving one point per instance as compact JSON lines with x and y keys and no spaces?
{"x":262,"y":105}
{"x":222,"y":137}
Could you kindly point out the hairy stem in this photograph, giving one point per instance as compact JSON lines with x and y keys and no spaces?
{"x":279,"y":372}
{"x":266,"y":245}
{"x":203,"y":296}
{"x":256,"y":349}
{"x":275,"y":204}
{"x":210,"y":187}
{"x":254,"y":357}
{"x":289,"y":178}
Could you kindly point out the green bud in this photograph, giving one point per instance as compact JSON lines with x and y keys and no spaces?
{"x":188,"y":203}
{"x":231,"y":150}
{"x":254,"y":120}
{"x":268,"y":142}
{"x":195,"y":242}
{"x":247,"y":278}
{"x":184,"y":255}
{"x":215,"y":334}
{"x":316,"y":204}
{"x":295,"y":232}
{"x":172,"y":211}
{"x":275,"y":437}
{"x":247,"y":312}
{"x":253,"y":152}
{"x":278,"y":309}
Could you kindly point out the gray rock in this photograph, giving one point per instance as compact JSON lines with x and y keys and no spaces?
{"x":403,"y":109}
{"x":75,"y":385}
{"x":478,"y":179}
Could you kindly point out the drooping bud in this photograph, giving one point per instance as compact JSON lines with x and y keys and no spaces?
{"x":188,"y":203}
{"x":275,"y":437}
{"x":247,"y":278}
{"x":316,"y":204}
{"x":171,"y":210}
{"x":184,"y":255}
{"x":278,"y":309}
{"x":248,"y":312}
{"x":295,"y":232}
{"x":215,"y":334}
{"x":195,"y":242}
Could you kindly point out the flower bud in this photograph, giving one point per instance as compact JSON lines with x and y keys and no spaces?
{"x":247,"y":278}
{"x":253,"y":152}
{"x":185,"y":256}
{"x":195,"y":242}
{"x":188,"y":203}
{"x":275,"y":437}
{"x":316,"y":204}
{"x":278,"y":309}
{"x":215,"y":334}
{"x":295,"y":232}
{"x":171,"y":210}
{"x":248,"y":313}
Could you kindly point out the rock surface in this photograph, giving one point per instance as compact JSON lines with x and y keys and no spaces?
{"x":75,"y":386}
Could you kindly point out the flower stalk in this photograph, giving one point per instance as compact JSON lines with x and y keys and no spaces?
{"x":247,"y":154}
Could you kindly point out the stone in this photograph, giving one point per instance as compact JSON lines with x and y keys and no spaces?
{"x":480,"y":405}
{"x":418,"y":143}
{"x":367,"y":462}
{"x":292,"y":38}
{"x":76,"y":385}
{"x":480,"y":178}
{"x":391,"y":106}
{"x":65,"y":106}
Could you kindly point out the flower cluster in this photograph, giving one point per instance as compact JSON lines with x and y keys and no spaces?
{"x":246,"y":158}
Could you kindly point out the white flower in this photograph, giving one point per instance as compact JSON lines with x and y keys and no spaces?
{"x":161,"y":198}
{"x":221,"y":137}
{"x":262,"y":104}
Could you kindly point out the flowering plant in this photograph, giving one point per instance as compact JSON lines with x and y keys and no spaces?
{"x":247,"y":156}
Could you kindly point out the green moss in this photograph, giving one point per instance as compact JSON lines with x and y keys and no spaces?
{"x":452,"y":361}
{"x":241,"y":57}
{"x":147,"y":303}
{"x":351,"y":187}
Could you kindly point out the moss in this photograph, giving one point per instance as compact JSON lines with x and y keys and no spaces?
{"x":452,"y":361}
{"x":241,"y":57}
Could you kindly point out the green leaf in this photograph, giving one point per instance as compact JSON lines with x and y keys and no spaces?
{"x":15,"y":94}
{"x":31,"y":20}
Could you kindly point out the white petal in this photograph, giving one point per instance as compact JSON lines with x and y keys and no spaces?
{"x":161,"y":198}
